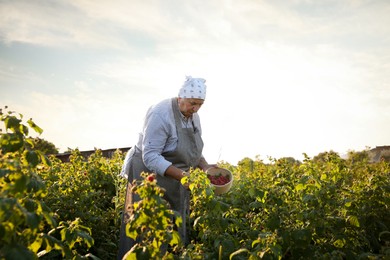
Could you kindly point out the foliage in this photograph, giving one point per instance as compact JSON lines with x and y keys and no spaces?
{"x":324,"y":156}
{"x":152,"y":225}
{"x":88,"y":190}
{"x":27,"y":226}
{"x":42,"y":145}
{"x":355,"y":157}
{"x":322,"y":208}
{"x":205,"y":227}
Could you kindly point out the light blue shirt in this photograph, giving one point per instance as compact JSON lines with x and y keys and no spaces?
{"x":159,"y":135}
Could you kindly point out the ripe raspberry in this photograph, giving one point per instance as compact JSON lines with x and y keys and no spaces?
{"x":150,"y":178}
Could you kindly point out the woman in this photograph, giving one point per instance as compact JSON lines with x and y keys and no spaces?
{"x":169,"y":145}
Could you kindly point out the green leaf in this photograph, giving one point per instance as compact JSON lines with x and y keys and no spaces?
{"x":238,"y":252}
{"x":348,"y":204}
{"x":353,"y":220}
{"x":255,"y":242}
{"x":30,"y":205}
{"x":382,"y":234}
{"x":87,"y":239}
{"x":32,"y":220}
{"x":17,"y":252}
{"x":273,"y":222}
{"x":36,"y":244}
{"x":11,"y":142}
{"x":51,"y":243}
{"x":140,"y":253}
{"x":34,"y":126}
{"x":23,"y":129}
{"x":339,"y":243}
{"x":4,"y":172}
{"x":11,"y":122}
{"x":50,"y":220}
{"x":131,"y":232}
{"x":20,"y":183}
{"x":302,"y":238}
{"x":255,"y":204}
{"x":29,"y":141}
{"x":36,"y":185}
{"x":175,"y":239}
{"x":43,"y":158}
{"x":276,"y":250}
{"x":252,"y":192}
{"x":31,"y":158}
{"x":299,"y":187}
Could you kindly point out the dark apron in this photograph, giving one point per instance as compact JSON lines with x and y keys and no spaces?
{"x":186,"y":155}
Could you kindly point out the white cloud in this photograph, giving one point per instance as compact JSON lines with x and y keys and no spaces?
{"x":85,"y":118}
{"x":284,"y":78}
{"x":55,"y":24}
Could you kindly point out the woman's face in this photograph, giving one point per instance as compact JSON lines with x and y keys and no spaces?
{"x":189,"y":106}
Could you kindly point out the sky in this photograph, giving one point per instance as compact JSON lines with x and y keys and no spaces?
{"x":284,"y":78}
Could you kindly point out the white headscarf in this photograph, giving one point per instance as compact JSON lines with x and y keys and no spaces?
{"x":193,"y":88}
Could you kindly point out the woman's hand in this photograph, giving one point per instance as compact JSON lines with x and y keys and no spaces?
{"x":175,"y":173}
{"x":210,"y":166}
{"x":204,"y":165}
